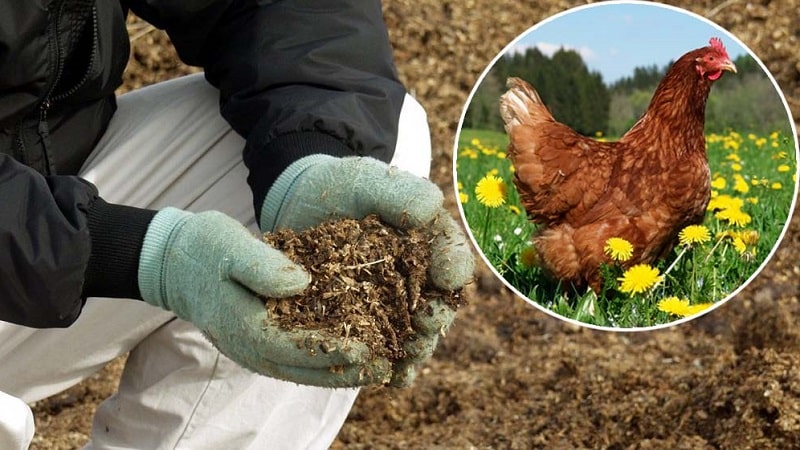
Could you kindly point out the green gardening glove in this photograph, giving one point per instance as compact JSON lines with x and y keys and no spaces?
{"x":209,"y":270}
{"x":320,"y":187}
{"x":451,"y":266}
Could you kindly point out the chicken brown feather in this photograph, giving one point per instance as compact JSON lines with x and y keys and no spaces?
{"x":644,"y":188}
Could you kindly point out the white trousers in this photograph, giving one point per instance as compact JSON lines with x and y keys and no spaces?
{"x":168,"y":146}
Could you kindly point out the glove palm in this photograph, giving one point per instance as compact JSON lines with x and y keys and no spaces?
{"x":319,"y":188}
{"x":209,"y":270}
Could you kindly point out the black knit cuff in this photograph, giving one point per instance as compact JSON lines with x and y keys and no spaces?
{"x":267,"y":163}
{"x":117,"y":233}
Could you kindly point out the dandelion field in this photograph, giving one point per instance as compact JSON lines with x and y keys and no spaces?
{"x":753,"y":187}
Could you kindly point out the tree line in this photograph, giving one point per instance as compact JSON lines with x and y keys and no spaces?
{"x":579,"y":97}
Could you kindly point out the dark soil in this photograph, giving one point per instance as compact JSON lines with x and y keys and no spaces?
{"x":509,"y":376}
{"x":367,"y":281}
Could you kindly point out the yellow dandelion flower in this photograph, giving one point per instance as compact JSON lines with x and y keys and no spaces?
{"x":734,"y":216}
{"x":774,"y":135}
{"x":749,"y":237}
{"x":739,"y":245}
{"x":752,"y":200}
{"x":725,"y":202}
{"x":598,"y":134}
{"x":775,"y":144}
{"x":475,"y":141}
{"x":780,"y":155}
{"x":674,"y":305}
{"x":469,"y":153}
{"x":733,"y":157}
{"x":739,"y":184}
{"x":618,"y":249}
{"x":694,"y":309}
{"x":501,"y":155}
{"x":776,"y":186}
{"x":529,"y":257}
{"x":736,"y":167}
{"x":784,"y":168}
{"x":694,"y":234}
{"x":744,"y":242}
{"x":740,"y":239}
{"x":491,"y":191}
{"x":719,"y":183}
{"x":751,"y":136}
{"x":463,"y":197}
{"x":639,"y":278}
{"x":725,"y":234}
{"x":681,"y":307}
{"x":760,"y":142}
{"x":730,"y":144}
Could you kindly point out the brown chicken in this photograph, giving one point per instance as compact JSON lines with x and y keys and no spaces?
{"x":644,"y":188}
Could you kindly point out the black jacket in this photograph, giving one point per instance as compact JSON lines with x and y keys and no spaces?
{"x":295,"y":78}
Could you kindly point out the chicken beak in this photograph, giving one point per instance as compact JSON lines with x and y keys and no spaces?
{"x":729,"y":66}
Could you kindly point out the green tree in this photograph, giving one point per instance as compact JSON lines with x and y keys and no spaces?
{"x":575,"y":96}
{"x":483,"y":110}
{"x":746,"y":101}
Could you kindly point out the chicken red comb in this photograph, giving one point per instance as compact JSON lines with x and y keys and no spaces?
{"x":716,"y":44}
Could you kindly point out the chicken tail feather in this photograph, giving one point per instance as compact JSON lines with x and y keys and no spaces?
{"x":521,"y":103}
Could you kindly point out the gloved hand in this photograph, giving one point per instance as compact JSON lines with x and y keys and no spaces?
{"x":209,"y":270}
{"x":319,"y":188}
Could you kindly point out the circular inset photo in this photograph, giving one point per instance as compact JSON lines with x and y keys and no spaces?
{"x":626,"y":165}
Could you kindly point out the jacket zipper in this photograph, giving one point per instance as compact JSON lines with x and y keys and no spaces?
{"x":19,"y":142}
{"x":49,"y":99}
{"x":44,"y":135}
{"x":89,"y":65}
{"x":43,"y":130}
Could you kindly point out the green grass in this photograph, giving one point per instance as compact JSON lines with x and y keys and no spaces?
{"x":702,"y":274}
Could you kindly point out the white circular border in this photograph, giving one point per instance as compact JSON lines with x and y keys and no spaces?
{"x":729,"y":35}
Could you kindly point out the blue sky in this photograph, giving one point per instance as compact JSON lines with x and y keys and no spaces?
{"x":615,"y":38}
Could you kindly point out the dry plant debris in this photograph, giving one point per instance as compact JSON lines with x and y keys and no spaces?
{"x":368,"y":280}
{"x":509,"y":376}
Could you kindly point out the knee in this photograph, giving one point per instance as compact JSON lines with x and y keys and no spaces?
{"x":413,"y":149}
{"x":16,"y":423}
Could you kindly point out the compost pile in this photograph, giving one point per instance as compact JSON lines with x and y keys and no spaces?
{"x":509,"y":376}
{"x":367,"y":281}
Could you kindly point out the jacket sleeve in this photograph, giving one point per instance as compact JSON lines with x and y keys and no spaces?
{"x":62,"y":243}
{"x":45,"y":243}
{"x":296,"y":77}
